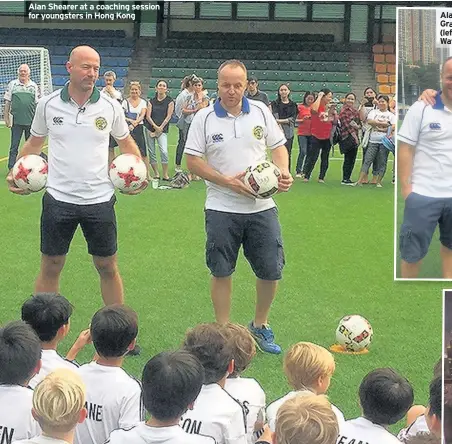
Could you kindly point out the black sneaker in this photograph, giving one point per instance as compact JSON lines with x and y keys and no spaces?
{"x":136,"y":351}
{"x":347,"y":182}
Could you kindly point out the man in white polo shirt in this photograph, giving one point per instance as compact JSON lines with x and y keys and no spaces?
{"x":231,"y":135}
{"x":424,"y":160}
{"x":78,"y":121}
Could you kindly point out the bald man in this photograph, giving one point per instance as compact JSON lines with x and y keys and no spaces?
{"x":78,"y":121}
{"x":20,"y":102}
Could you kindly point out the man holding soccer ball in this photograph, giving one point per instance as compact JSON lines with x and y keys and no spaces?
{"x":78,"y":121}
{"x":232,"y":135}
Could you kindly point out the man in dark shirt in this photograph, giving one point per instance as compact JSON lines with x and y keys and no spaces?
{"x":253,"y":92}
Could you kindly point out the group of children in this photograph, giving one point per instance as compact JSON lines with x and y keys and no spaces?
{"x":194,"y":395}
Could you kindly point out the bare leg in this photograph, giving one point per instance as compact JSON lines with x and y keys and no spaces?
{"x":446,"y":256}
{"x":110,"y":279}
{"x":148,"y":167}
{"x":165,"y":170}
{"x":410,"y":270}
{"x":155,"y":169}
{"x":48,"y":280}
{"x":221,"y":292}
{"x":266,"y":291}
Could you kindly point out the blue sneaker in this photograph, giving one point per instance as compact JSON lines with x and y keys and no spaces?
{"x":265,"y":338}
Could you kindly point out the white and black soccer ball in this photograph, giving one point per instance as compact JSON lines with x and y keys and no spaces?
{"x":354,"y":333}
{"x":30,"y":173}
{"x":127,"y":172}
{"x":262,"y":179}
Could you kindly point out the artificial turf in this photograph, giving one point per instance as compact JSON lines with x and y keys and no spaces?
{"x":339,"y":245}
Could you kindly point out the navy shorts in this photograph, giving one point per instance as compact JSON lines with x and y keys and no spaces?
{"x":59,"y":220}
{"x":260,"y":235}
{"x":421,"y":217}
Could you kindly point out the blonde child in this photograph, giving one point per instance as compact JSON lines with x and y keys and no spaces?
{"x":308,"y":368}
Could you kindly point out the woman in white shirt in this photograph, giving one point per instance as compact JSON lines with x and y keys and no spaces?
{"x":135,"y":111}
{"x":382,"y":122}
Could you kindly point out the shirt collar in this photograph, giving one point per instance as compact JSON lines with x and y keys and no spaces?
{"x":65,"y":97}
{"x":438,"y":102}
{"x":221,"y":112}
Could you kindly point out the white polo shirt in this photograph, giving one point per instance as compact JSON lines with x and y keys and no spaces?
{"x":51,"y":361}
{"x":113,"y":401}
{"x":429,"y":130}
{"x":365,"y":431}
{"x":216,"y":414}
{"x":230,"y":145}
{"x":143,"y":433}
{"x":78,"y":138}
{"x":273,"y":408}
{"x":251,"y":395}
{"x":16,"y":421}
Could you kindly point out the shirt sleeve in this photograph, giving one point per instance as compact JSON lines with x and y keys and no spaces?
{"x":9,"y":91}
{"x":39,"y":125}
{"x":411,"y":126}
{"x":131,"y":410}
{"x":275,"y":136}
{"x":235,"y":432}
{"x":196,"y":140}
{"x":119,"y":128}
{"x":371,"y":115}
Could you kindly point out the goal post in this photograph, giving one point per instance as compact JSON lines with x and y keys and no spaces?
{"x":37,"y":59}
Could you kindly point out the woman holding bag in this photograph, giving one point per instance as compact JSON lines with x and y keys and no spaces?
{"x":349,"y":141}
{"x":135,"y":112}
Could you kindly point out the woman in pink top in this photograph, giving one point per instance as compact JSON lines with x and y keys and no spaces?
{"x":304,"y":130}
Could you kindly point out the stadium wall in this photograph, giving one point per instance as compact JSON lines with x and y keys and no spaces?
{"x":258,"y":26}
{"x":8,"y":21}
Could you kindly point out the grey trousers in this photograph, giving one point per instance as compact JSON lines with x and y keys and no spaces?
{"x":375,"y":152}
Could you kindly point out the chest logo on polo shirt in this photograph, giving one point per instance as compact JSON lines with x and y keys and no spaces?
{"x":101,"y":123}
{"x":258,"y":132}
{"x":435,"y":126}
{"x":216,"y":138}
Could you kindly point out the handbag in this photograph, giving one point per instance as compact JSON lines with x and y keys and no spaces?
{"x":366,"y":138}
{"x":388,"y":143}
{"x":128,"y":113}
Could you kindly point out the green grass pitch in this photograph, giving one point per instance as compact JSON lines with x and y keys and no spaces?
{"x":339,"y":252}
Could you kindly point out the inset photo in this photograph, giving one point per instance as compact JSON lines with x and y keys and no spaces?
{"x":423,"y":209}
{"x":447,"y":365}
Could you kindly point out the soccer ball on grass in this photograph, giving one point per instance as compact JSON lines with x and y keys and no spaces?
{"x":354,"y":333}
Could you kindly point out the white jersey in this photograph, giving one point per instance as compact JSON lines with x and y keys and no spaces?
{"x":78,"y":138}
{"x":115,"y":94}
{"x":113,"y":401}
{"x":428,"y":129}
{"x":41,"y":440}
{"x":51,"y":361}
{"x":218,"y":415}
{"x":362,"y":430}
{"x":251,"y":395}
{"x":230,"y":144}
{"x":16,"y":421}
{"x":417,"y":427}
{"x":273,"y":408}
{"x":144,"y":434}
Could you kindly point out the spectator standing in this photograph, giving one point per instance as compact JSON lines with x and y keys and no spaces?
{"x":20,"y":102}
{"x":285,"y":111}
{"x":304,"y":130}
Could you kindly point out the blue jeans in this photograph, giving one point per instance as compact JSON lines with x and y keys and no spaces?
{"x":304,"y":142}
{"x":16,"y":135}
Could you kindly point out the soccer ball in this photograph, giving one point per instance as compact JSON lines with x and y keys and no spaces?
{"x":30,"y":173}
{"x":354,"y":333}
{"x":127,"y":172}
{"x":262,"y":178}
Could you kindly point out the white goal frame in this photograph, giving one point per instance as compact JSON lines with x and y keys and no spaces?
{"x":38,"y":58}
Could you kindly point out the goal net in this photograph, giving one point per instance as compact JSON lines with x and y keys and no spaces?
{"x":36,"y":58}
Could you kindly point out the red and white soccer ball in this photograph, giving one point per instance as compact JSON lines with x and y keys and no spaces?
{"x":30,"y":173}
{"x":127,"y":172}
{"x":354,"y":333}
{"x":262,"y":178}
